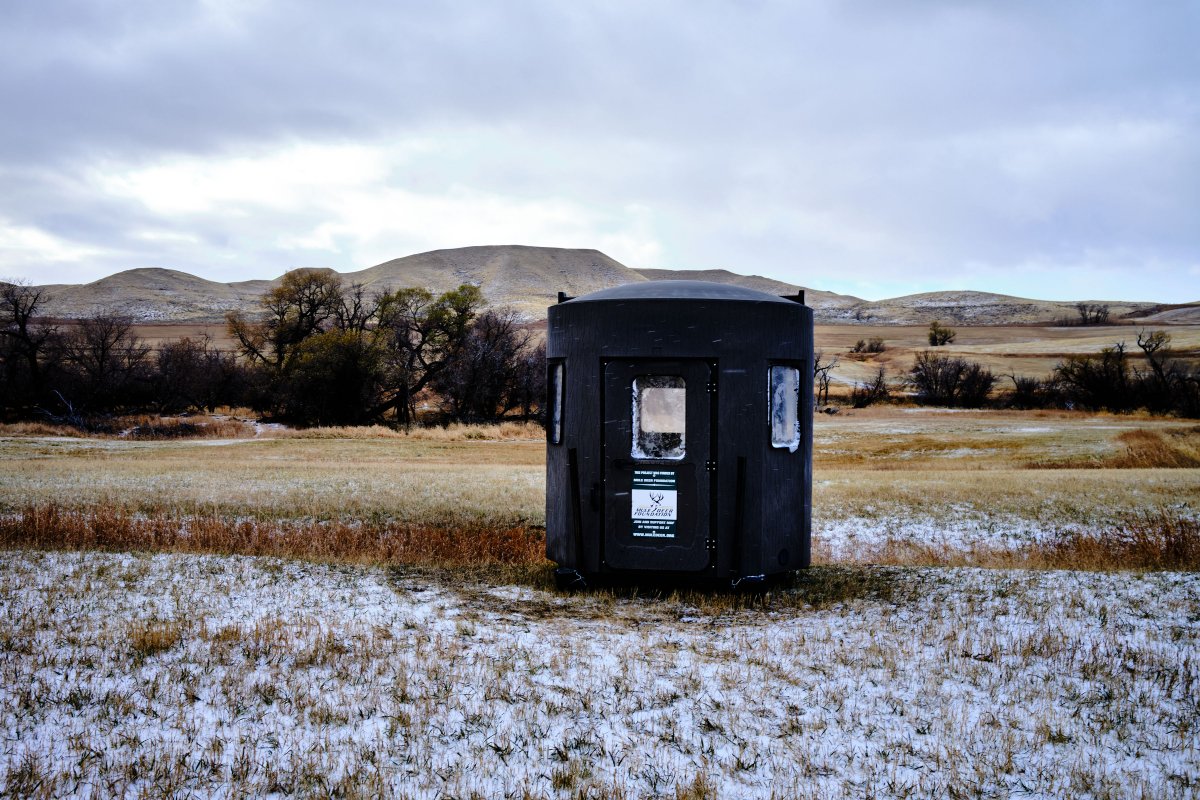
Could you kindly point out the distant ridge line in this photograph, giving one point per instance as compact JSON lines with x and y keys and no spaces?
{"x":527,"y":279}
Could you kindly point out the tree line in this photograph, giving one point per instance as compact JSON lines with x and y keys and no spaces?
{"x":319,"y":352}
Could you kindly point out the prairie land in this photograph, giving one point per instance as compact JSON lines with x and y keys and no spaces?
{"x":880,"y":474}
{"x":1031,"y":350}
{"x":1002,"y":604}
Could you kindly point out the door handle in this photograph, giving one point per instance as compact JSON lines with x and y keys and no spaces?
{"x":595,"y":497}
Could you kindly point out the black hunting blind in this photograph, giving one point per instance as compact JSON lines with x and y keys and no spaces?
{"x":679,"y":433}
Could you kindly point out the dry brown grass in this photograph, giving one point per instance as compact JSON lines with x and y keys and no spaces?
{"x":455,"y":432}
{"x":152,"y":427}
{"x":412,"y":480}
{"x":1030,"y":350}
{"x":1150,"y":541}
{"x":1152,"y":449}
{"x":142,"y":427}
{"x":39,"y":429}
{"x":1168,"y":448}
{"x":150,"y":637}
{"x":51,"y":527}
{"x":907,"y":487}
{"x":1158,"y":541}
{"x":911,"y":438}
{"x":157,"y":428}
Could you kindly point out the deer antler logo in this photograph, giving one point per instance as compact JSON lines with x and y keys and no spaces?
{"x":656,"y":497}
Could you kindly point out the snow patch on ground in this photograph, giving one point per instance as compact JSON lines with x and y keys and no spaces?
{"x":280,"y":678}
{"x":847,"y":539}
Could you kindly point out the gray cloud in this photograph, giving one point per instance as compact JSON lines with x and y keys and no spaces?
{"x":866,"y":146}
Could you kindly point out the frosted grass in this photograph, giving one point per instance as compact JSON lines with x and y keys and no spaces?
{"x":292,"y":678}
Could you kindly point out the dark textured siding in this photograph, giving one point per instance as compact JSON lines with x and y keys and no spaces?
{"x":740,"y":336}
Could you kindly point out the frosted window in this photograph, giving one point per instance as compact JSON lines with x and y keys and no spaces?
{"x":556,"y":403}
{"x":659,"y":416}
{"x":783,"y":383}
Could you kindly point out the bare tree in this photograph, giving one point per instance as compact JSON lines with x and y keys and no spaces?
{"x":354,"y":311}
{"x":875,"y":390}
{"x":23,"y":341}
{"x":106,"y":361}
{"x":482,"y":381}
{"x":1156,"y":346}
{"x":1170,"y":385}
{"x":821,"y":370}
{"x":1092,"y":313}
{"x":192,"y":374}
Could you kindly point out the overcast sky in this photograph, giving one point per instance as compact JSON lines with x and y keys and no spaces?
{"x":871,"y":147}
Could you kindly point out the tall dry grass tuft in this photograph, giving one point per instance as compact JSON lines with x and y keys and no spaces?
{"x":41,"y":429}
{"x":52,"y":527}
{"x":156,"y":428}
{"x":1152,"y":541}
{"x":140,"y":426}
{"x":1141,"y":449}
{"x":1151,"y":450}
{"x":455,"y":432}
{"x":150,"y":637}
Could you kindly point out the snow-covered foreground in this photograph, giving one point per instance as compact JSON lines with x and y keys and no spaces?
{"x":859,"y":539}
{"x":126,"y":675}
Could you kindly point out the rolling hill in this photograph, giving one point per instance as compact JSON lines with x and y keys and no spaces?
{"x":154,"y":295}
{"x":529,"y":278}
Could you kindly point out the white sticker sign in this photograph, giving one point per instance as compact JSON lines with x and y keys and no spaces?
{"x":655,"y":503}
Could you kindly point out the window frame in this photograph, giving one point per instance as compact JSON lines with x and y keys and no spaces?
{"x":792,"y":445}
{"x":556,"y":383}
{"x":636,"y":448}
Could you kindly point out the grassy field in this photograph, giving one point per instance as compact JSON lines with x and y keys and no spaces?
{"x":884,"y":474}
{"x":1004,"y":604}
{"x":315,"y":475}
{"x":1022,"y":350}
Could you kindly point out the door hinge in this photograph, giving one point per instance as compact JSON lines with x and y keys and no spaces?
{"x":710,"y":466}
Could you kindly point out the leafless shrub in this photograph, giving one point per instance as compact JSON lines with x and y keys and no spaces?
{"x":872,"y":345}
{"x":946,"y":381}
{"x":1028,"y":392}
{"x":873,"y":391}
